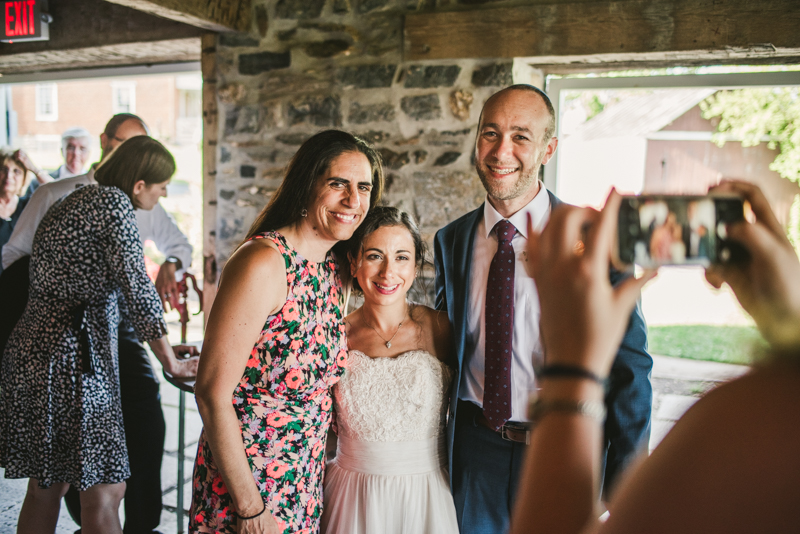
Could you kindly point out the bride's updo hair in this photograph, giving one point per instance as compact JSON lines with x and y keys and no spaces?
{"x":377,"y":218}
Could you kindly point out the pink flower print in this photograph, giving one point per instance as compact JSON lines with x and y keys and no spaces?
{"x":218,"y":486}
{"x":312,"y":503}
{"x":312,"y":270}
{"x":319,"y":334}
{"x":341,"y":358}
{"x":278,"y":419}
{"x":296,"y":344}
{"x":290,"y":311}
{"x":294,"y":378}
{"x":326,"y":404}
{"x":316,"y":449}
{"x":277,"y":469}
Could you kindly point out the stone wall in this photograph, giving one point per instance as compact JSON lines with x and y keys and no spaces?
{"x":311,"y":65}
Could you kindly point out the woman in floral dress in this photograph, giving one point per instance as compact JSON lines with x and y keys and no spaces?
{"x":275,"y":344}
{"x":60,"y":408}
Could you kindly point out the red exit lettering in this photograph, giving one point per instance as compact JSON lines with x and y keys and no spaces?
{"x":19,"y":18}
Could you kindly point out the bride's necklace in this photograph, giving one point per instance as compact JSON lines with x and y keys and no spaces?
{"x":388,"y":342}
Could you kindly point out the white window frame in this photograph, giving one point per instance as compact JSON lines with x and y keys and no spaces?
{"x":116,"y":89}
{"x":46,"y":115}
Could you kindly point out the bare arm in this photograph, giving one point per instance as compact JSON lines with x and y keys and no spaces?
{"x":252,"y":287}
{"x":583,"y":321}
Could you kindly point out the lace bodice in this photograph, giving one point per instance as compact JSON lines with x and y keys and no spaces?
{"x":403,"y":398}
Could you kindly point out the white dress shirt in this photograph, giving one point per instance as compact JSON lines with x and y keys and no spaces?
{"x":156,"y":224}
{"x":526,"y":345}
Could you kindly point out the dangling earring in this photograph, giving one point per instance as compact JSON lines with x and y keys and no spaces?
{"x":303,"y":212}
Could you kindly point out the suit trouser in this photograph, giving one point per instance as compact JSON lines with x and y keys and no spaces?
{"x":486,"y":470}
{"x":144,"y":435}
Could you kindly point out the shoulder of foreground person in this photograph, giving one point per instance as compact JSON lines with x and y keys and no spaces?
{"x":731,"y":464}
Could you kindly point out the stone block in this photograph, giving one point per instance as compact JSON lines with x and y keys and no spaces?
{"x":328,"y":48}
{"x":294,"y":139}
{"x":341,"y":6}
{"x":441,"y":197}
{"x":247,"y":171}
{"x":225,"y":194}
{"x":366,"y":76}
{"x":460,"y":104}
{"x":262,"y":19}
{"x":420,"y":156}
{"x":447,"y":137}
{"x":493,"y":75}
{"x":231,"y":93}
{"x":446,"y":159}
{"x":243,"y":119}
{"x":423,"y":107}
{"x":251,"y":64}
{"x":374,"y":137}
{"x":417,"y":76}
{"x":298,"y":9}
{"x":224,"y":155}
{"x":365,"y":6}
{"x":237,"y":40}
{"x":393,"y":160}
{"x":370,"y":113}
{"x":319,"y":111}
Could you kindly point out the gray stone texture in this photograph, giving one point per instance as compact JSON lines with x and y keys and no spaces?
{"x":446,"y":159}
{"x":251,"y":64}
{"x":493,"y":75}
{"x":423,"y":107}
{"x":393,"y":160}
{"x":442,"y":196}
{"x":243,"y":120}
{"x":327,"y":48}
{"x":366,"y":76}
{"x":317,"y":111}
{"x":365,"y":6}
{"x":370,"y":113}
{"x":298,"y":9}
{"x":421,"y":77}
{"x":247,"y":171}
{"x":237,"y":40}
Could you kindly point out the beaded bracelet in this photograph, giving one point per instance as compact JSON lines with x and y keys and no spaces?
{"x":568,"y":371}
{"x":251,"y":516}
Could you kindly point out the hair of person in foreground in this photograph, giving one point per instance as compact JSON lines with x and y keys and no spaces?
{"x":730,"y":464}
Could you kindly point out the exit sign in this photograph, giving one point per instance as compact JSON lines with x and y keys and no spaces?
{"x":24,"y":20}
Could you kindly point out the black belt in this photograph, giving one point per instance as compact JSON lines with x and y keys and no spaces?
{"x":510,"y":431}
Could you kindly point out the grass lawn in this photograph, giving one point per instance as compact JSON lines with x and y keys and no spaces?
{"x":727,"y":344}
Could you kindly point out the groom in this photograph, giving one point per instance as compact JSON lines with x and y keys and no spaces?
{"x":494,"y":309}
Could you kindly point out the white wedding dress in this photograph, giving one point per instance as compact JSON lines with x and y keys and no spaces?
{"x":390,"y":471}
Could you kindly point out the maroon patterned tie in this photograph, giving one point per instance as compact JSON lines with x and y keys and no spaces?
{"x":499,"y":328}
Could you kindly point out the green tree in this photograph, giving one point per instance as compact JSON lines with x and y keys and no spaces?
{"x":770,"y":115}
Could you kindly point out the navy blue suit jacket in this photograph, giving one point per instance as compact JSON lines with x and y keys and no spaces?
{"x":629,"y":395}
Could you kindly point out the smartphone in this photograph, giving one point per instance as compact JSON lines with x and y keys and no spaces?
{"x":658,"y":230}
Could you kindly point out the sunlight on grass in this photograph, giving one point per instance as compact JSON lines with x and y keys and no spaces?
{"x":727,"y":344}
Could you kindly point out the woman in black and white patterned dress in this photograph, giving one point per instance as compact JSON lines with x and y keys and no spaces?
{"x":60,"y":411}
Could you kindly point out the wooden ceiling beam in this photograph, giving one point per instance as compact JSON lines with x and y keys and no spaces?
{"x":214,"y":15}
{"x":603,"y":27}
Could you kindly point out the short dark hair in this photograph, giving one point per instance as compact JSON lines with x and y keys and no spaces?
{"x":116,"y":121}
{"x":312,"y":160}
{"x":139,"y":158}
{"x":378,"y":218}
{"x":550,"y":130}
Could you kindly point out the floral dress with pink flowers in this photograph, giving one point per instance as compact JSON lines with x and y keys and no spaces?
{"x":283,"y":403}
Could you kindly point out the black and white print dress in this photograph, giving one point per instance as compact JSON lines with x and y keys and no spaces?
{"x":60,"y":412}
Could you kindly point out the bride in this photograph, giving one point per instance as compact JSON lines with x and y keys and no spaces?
{"x":390,"y":473}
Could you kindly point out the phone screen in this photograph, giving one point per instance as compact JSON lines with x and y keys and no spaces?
{"x":676,"y":230}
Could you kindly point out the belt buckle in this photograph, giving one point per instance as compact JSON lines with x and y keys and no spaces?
{"x":505,"y":428}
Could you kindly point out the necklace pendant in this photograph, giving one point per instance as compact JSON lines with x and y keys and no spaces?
{"x":388,"y":344}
